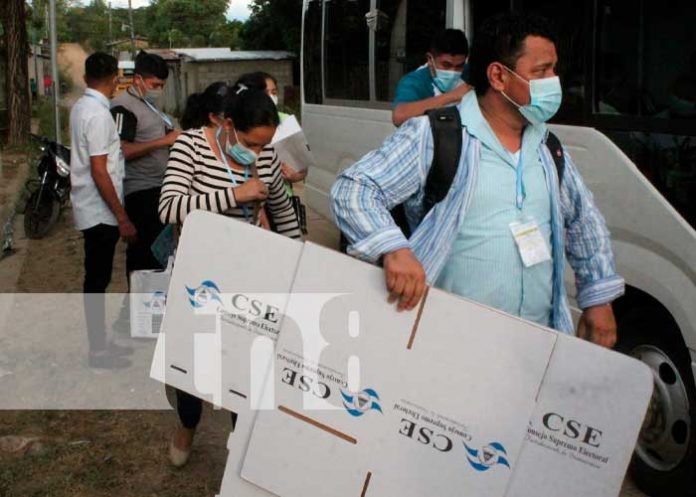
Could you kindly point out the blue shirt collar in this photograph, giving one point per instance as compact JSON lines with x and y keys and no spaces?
{"x":478,"y":127}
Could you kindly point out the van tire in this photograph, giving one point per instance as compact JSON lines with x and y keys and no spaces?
{"x":651,"y":336}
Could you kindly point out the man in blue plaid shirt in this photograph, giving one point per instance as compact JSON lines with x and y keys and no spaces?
{"x":502,"y":234}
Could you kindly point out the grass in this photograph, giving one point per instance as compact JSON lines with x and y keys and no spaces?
{"x":46,"y":117}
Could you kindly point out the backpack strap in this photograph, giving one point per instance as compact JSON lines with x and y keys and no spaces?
{"x":556,"y":149}
{"x":446,"y":126}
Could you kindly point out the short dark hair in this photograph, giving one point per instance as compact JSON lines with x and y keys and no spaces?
{"x":501,"y":39}
{"x":199,"y":105}
{"x":250,"y":108}
{"x":449,"y":41}
{"x":100,"y":66}
{"x":150,"y":64}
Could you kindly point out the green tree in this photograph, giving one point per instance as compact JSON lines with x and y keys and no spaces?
{"x":274,"y":25}
{"x":89,"y":25}
{"x":197,"y":20}
{"x":86,"y":23}
{"x":36,"y":12}
{"x":227,"y":35}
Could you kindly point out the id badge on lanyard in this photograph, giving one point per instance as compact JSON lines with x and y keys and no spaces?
{"x":530,"y":243}
{"x":528,"y":237}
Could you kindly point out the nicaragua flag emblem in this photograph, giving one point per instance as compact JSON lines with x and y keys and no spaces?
{"x":206,"y":293}
{"x":359,"y":403}
{"x":491,"y":455}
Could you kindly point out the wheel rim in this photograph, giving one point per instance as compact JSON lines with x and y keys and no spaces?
{"x":663,"y":440}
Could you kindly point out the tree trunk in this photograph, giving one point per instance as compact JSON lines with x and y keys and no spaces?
{"x":17,"y":84}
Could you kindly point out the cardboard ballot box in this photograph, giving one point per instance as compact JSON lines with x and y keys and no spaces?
{"x":452,"y":399}
{"x":467,"y":401}
{"x":228,"y":288}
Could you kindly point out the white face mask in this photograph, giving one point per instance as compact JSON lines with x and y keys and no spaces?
{"x":275,"y":99}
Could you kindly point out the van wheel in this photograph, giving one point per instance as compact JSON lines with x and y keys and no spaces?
{"x":664,"y":461}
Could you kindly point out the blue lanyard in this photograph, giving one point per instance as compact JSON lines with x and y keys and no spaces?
{"x":229,"y":170}
{"x":521,"y":192}
{"x":165,"y":118}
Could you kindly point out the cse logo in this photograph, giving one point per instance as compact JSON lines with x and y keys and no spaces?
{"x":425,"y":436}
{"x":208,"y":293}
{"x":305,"y":383}
{"x":572,"y":429}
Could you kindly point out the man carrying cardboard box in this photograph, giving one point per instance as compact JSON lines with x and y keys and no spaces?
{"x":502,"y":231}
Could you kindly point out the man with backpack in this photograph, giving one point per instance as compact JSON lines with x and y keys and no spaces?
{"x":497,"y":224}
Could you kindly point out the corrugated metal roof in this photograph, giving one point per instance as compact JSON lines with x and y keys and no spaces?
{"x":213,"y":54}
{"x":165,"y":53}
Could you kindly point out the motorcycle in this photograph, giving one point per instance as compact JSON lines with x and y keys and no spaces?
{"x":50,"y":191}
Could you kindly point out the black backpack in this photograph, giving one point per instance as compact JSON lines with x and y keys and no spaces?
{"x":446,"y":125}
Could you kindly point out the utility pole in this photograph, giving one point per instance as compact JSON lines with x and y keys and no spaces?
{"x":111,"y":33}
{"x":54,"y":66}
{"x":132,"y":28}
{"x":39,"y":82}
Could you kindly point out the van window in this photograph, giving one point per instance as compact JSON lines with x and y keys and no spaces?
{"x":403,"y":33}
{"x":346,"y":50}
{"x":646,"y":59}
{"x":312,"y":52}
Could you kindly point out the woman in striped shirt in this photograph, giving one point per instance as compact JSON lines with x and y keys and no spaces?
{"x":226,"y":166}
{"x":212,"y":167}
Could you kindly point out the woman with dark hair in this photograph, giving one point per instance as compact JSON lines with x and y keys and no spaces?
{"x":266,"y":82}
{"x":205,"y":108}
{"x":224,"y":167}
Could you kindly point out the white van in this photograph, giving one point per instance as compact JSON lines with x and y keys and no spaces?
{"x":628,"y":69}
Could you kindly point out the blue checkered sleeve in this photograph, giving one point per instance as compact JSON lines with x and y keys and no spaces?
{"x":363,"y":194}
{"x":588,"y":243}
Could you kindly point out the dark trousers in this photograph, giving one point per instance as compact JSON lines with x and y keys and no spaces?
{"x":100,"y":245}
{"x":189,"y":409}
{"x":142,"y":209}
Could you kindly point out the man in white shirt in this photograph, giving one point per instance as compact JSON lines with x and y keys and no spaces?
{"x":97,"y":170}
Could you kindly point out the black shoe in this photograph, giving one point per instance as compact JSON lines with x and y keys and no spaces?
{"x":105,"y":360}
{"x":116,"y":350}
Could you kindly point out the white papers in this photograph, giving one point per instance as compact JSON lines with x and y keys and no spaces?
{"x":287,"y":128}
{"x":291,"y":145}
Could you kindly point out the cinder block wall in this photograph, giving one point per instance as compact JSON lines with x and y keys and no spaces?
{"x":202,"y":74}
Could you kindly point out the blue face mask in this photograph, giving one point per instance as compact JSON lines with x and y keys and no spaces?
{"x":241,"y":154}
{"x":446,"y":80}
{"x":546,"y":96}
